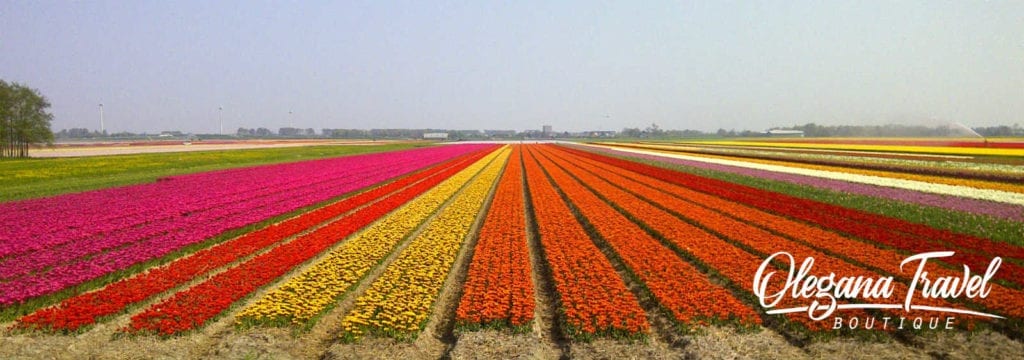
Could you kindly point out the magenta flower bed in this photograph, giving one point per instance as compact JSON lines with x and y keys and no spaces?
{"x":52,"y":243}
{"x":1004,"y":211}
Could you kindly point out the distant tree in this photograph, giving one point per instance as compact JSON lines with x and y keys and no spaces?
{"x":289,"y":131}
{"x":631,"y":132}
{"x":263,"y":132}
{"x":24,"y":120}
{"x":76,"y":133}
{"x":654,"y":130}
{"x":245,"y":132}
{"x":124,"y":134}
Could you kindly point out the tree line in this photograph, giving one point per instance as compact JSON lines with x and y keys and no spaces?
{"x":24,"y":119}
{"x":817,"y":130}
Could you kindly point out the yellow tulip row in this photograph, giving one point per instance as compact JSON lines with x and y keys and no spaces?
{"x":400,"y":301}
{"x":315,"y":290}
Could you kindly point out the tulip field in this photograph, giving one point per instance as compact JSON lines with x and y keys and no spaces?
{"x":575,"y":249}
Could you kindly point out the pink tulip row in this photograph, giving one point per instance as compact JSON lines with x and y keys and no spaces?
{"x":142,"y":235}
{"x":150,"y":227}
{"x":38,"y":224}
{"x":230,"y":202}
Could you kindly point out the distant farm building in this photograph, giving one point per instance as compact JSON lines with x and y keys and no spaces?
{"x":435,"y":136}
{"x":599,"y":134}
{"x":785,"y":133}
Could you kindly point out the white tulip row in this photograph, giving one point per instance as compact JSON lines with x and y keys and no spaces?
{"x":943,"y":189}
{"x":964,"y":165}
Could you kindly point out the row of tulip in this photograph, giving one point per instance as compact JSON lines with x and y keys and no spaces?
{"x":1011,"y":192}
{"x":760,"y":241}
{"x":885,"y":194}
{"x":1003,"y":300}
{"x":592,"y":298}
{"x":129,"y":252}
{"x":312,"y":292}
{"x":498,"y":289}
{"x":192,"y":308}
{"x":925,"y":232}
{"x":399,"y":302}
{"x":129,"y":240}
{"x":984,"y":173}
{"x":88,"y":308}
{"x":718,"y":255}
{"x":31,"y":225}
{"x":977,"y":165}
{"x":915,"y":238}
{"x":678,"y":286}
{"x":907,"y":146}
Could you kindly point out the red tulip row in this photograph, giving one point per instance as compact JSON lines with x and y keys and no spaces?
{"x":914,"y":238}
{"x":498,"y":288}
{"x":191,"y":308}
{"x":86,"y":309}
{"x":1001,"y":299}
{"x":593,"y":298}
{"x":678,"y":286}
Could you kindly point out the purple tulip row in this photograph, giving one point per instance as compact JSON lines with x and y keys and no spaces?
{"x":245,"y":196}
{"x":1004,"y":211}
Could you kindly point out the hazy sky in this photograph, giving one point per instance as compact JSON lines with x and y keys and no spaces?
{"x":158,"y":65}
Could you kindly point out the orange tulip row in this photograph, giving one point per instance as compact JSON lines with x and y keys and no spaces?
{"x":678,"y":286}
{"x":498,"y":289}
{"x":593,"y":298}
{"x":759,"y":240}
{"x":1004,"y":300}
{"x":731,"y":262}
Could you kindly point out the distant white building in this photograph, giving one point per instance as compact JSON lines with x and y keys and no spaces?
{"x":435,"y":136}
{"x":785,"y":133}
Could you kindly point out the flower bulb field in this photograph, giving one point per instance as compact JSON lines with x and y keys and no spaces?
{"x":797,"y":248}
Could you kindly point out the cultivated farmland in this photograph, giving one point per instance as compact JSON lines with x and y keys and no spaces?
{"x":604,"y":250}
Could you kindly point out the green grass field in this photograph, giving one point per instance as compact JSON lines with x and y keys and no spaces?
{"x":40,"y":177}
